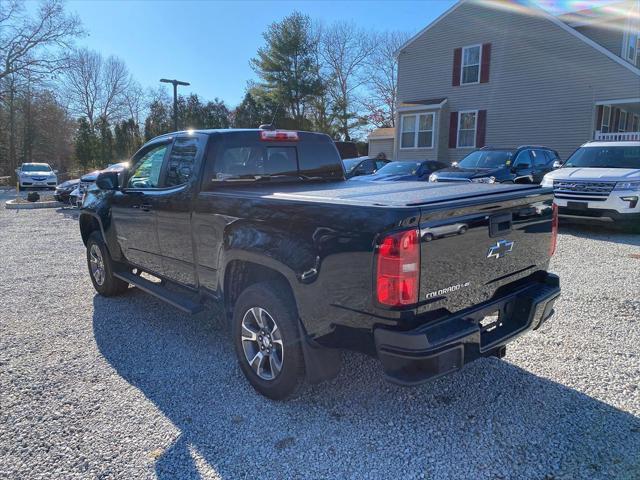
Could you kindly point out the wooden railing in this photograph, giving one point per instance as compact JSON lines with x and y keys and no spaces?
{"x":617,"y":136}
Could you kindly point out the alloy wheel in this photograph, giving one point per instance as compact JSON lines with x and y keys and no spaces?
{"x":96,"y":263}
{"x":262,"y":343}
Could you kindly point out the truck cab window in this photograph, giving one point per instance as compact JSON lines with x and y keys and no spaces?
{"x":147,"y":170}
{"x":280,"y":160}
{"x":256,"y":161}
{"x":181,"y":161}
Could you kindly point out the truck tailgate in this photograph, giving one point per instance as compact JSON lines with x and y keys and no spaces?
{"x":469,"y":252}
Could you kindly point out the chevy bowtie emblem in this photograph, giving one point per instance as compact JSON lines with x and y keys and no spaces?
{"x":500,"y":249}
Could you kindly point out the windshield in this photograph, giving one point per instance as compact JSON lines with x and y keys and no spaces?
{"x":399,"y":168}
{"x":486,"y":159}
{"x":351,"y":163}
{"x":605,"y":157}
{"x":36,"y":167}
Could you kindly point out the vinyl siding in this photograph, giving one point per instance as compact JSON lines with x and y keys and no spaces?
{"x":385,"y":145}
{"x":542,"y":86}
{"x":607,"y":35}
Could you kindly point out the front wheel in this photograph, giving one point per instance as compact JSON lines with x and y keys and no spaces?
{"x":267,"y":341}
{"x":101,"y":268}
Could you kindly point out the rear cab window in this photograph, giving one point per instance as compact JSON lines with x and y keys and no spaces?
{"x":244,"y":157}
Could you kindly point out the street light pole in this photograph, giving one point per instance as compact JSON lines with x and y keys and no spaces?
{"x":175,"y":84}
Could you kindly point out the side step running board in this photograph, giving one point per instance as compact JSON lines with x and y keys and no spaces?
{"x":178,"y":300}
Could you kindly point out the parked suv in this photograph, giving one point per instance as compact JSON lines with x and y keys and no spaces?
{"x":36,"y":175}
{"x":525,"y":164}
{"x":599,"y":182}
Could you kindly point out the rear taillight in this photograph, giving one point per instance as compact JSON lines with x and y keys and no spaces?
{"x":398,"y":269}
{"x":554,"y":230}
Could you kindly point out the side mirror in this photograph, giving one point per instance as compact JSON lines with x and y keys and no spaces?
{"x":557,"y":164}
{"x":108,"y":181}
{"x":55,"y":171}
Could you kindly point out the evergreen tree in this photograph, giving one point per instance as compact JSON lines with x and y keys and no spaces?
{"x":158,"y":121}
{"x":191,"y":112}
{"x":215,"y":115}
{"x":287,"y":65}
{"x":86,"y":144}
{"x":247,"y":114}
{"x":105,"y":143}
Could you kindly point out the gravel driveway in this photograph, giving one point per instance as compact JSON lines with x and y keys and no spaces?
{"x":131,"y":388}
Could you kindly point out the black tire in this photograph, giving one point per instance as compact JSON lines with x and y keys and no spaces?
{"x":281,"y":309}
{"x":106,"y":284}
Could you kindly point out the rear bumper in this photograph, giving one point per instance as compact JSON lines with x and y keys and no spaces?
{"x":445,"y":345}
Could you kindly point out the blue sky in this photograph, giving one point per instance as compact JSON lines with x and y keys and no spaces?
{"x":210,"y":43}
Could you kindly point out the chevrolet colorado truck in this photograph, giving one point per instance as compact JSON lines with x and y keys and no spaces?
{"x":306,"y":263}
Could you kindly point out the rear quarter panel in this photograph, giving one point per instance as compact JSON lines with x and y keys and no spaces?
{"x":324,"y":250}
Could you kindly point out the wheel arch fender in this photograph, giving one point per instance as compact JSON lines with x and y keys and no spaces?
{"x":244,"y":268}
{"x":90,"y":222}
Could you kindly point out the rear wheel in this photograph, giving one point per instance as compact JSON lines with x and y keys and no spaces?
{"x":267,"y":341}
{"x":101,"y":268}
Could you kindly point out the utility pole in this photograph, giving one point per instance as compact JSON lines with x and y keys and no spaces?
{"x":175,"y":84}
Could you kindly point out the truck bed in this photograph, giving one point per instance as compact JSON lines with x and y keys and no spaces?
{"x":393,"y":194}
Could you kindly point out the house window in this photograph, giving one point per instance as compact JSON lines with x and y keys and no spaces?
{"x":635,"y":127}
{"x":467,"y":123}
{"x":417,"y":131}
{"x":471,"y":64}
{"x":630,"y":42}
{"x":622,"y":123}
{"x":606,"y":115}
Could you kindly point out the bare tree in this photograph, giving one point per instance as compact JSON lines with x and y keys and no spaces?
{"x":135,"y":101}
{"x":97,"y":88}
{"x":35,"y":46}
{"x":82,"y":84}
{"x":346,"y":50}
{"x":114,"y":84}
{"x":383,"y":79}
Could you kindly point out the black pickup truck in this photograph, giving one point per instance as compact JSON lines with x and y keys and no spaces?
{"x":425,"y":277}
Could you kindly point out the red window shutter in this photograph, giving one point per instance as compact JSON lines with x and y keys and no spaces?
{"x":485,"y":63}
{"x":599,"y":115}
{"x":453,"y":130}
{"x":457,"y":65}
{"x":481,"y":128}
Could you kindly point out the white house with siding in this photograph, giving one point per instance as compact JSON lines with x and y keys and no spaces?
{"x":381,"y":141}
{"x":503,"y":74}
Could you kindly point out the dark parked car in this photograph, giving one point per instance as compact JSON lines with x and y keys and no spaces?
{"x":404,"y":171}
{"x":90,"y":178}
{"x":355,"y":167}
{"x":425,"y":277}
{"x":64,"y":190}
{"x":525,"y":164}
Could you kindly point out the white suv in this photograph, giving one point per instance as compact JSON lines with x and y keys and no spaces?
{"x":599,"y":182}
{"x":36,"y":175}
